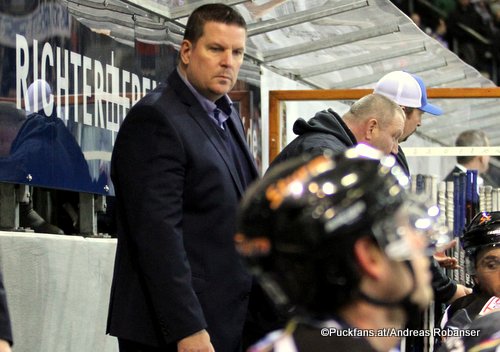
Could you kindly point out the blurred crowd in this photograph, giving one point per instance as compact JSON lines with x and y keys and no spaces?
{"x":470,"y":28}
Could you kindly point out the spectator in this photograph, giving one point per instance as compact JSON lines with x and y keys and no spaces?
{"x":440,"y":33}
{"x":465,"y":14}
{"x":415,"y":17}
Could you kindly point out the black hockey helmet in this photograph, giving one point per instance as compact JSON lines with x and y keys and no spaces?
{"x":297,"y":225}
{"x":483,"y":231}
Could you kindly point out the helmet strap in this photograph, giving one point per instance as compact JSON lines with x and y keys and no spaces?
{"x":408,"y":306}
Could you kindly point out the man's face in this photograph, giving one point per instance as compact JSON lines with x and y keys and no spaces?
{"x":485,"y":163}
{"x":418,"y":283}
{"x":412,"y":121}
{"x":385,"y":137}
{"x":488,"y":271}
{"x":212,"y":64}
{"x":423,"y":293}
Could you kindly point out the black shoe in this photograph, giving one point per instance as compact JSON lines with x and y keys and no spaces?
{"x":28,"y":217}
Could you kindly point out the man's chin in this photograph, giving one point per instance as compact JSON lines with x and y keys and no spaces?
{"x":221,"y":90}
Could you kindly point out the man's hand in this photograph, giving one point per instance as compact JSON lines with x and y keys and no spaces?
{"x":4,"y":346}
{"x":198,"y":342}
{"x":460,"y":292}
{"x":445,"y":261}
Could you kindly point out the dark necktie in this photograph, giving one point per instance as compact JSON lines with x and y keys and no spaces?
{"x":237,"y":155}
{"x":220,"y":119}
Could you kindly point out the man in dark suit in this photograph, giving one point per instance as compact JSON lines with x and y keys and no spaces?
{"x":179,"y":167}
{"x":472,"y":138}
{"x":5,"y":329}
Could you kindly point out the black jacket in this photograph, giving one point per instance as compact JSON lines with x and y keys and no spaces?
{"x":449,"y":177}
{"x":325,"y":131}
{"x":402,"y":162}
{"x":444,"y":288}
{"x":472,"y":304}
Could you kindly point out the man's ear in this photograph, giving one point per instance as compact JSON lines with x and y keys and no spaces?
{"x":482,"y":160}
{"x":369,"y":257}
{"x":371,"y":125}
{"x":185,"y":51}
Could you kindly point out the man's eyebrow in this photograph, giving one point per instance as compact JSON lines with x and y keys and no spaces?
{"x":491,"y":256}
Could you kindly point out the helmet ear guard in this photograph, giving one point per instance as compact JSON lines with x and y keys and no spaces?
{"x":311,"y":211}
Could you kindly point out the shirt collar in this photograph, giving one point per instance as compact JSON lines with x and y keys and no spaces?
{"x":461,"y":167}
{"x":480,"y":180}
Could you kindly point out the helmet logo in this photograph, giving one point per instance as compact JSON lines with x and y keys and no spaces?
{"x":278,"y":191}
{"x":485,"y":217}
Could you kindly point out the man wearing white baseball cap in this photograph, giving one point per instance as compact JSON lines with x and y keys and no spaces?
{"x":409,"y":91}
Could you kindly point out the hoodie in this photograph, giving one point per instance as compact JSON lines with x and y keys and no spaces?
{"x":325,"y":131}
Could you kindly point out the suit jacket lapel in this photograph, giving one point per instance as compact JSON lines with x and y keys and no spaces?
{"x":197,"y":112}
{"x":235,"y":119}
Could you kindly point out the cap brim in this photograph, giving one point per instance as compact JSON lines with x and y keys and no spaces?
{"x":431,"y":109}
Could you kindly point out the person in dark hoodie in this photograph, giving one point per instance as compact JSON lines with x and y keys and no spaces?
{"x":374,"y":120}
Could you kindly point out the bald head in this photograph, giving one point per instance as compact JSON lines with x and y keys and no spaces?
{"x":377,"y":121}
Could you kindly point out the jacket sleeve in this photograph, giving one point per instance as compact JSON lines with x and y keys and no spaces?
{"x":149,"y":174}
{"x":444,"y":288}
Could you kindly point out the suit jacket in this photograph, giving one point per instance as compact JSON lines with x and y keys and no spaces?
{"x":449,"y":177}
{"x":402,"y":162}
{"x":177,"y":192}
{"x":5,"y":329}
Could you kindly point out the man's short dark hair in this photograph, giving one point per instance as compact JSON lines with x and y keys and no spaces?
{"x":470,"y":138}
{"x":211,"y":13}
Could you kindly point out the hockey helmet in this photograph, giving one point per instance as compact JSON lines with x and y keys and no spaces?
{"x":297,"y":226}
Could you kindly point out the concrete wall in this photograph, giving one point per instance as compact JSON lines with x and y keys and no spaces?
{"x":58,"y":291}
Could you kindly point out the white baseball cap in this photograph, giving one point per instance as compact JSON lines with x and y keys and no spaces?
{"x":406,"y":89}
